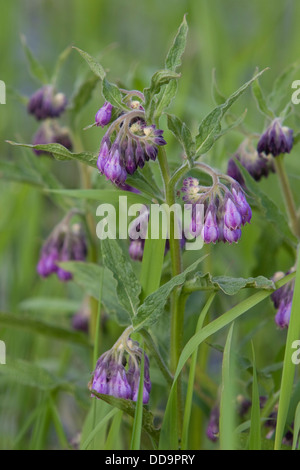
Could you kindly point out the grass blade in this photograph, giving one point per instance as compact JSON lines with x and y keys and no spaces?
{"x":227,"y":410}
{"x":255,"y":429}
{"x":288,"y":365}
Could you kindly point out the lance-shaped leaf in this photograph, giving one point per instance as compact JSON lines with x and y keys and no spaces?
{"x":229,"y":285}
{"x":92,"y":63}
{"x":83,"y":94}
{"x":61,"y":153}
{"x":261,"y":101}
{"x":159,"y":79}
{"x":182,"y":134}
{"x":112,"y":94}
{"x":60,"y":62}
{"x":87,"y":276}
{"x":211,"y":124}
{"x":36,"y":69}
{"x":128,"y":287}
{"x":27,"y":323}
{"x":173,"y":61}
{"x":129,"y":407}
{"x":153,"y":307}
{"x":282,"y":85}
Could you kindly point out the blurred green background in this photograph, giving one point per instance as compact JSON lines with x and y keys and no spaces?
{"x":132,"y":38}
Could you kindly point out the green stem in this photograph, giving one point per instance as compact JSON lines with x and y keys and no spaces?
{"x":177,"y":312}
{"x":288,"y":195}
{"x":156,"y":354}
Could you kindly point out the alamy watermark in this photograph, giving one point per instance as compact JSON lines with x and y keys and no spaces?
{"x":2,"y":353}
{"x":154,"y":221}
{"x":296,"y":354}
{"x":2,"y":92}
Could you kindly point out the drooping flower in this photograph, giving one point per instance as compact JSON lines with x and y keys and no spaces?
{"x":47,"y":103}
{"x":128,"y":143}
{"x":118,"y":371}
{"x":276,"y":140}
{"x":257,"y":164}
{"x":66,"y":243}
{"x":282,"y":299}
{"x":50,"y":132}
{"x":225,"y":210}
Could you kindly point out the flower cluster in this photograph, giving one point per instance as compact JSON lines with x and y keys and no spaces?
{"x":51,"y":133}
{"x":66,"y":243}
{"x":257,"y":164}
{"x":225,"y":210}
{"x":45,"y":105}
{"x":282,"y":300}
{"x":128,"y":143}
{"x":276,"y":140}
{"x":118,"y":371}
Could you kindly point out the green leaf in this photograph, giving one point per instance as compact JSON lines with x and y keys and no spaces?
{"x":224,"y":320}
{"x":255,"y":429}
{"x":173,"y":61}
{"x":229,"y":285}
{"x":218,"y":98}
{"x":98,"y":428}
{"x":164,"y":98}
{"x":177,"y":49}
{"x":182,"y":134}
{"x":112,"y":94}
{"x":61,"y":153}
{"x":83,"y":94}
{"x":32,"y":375}
{"x":153,"y":306}
{"x":138,"y":415}
{"x":159,"y":79}
{"x":103,"y":195}
{"x":227,"y":411}
{"x":26,"y":323}
{"x":128,"y":287}
{"x":87,"y":276}
{"x":191,"y":379}
{"x":95,"y":67}
{"x":267,"y":207}
{"x":14,"y":172}
{"x":289,"y":367}
{"x":261,"y":100}
{"x":282,"y":85}
{"x":60,"y":62}
{"x":129,"y":407}
{"x":36,"y":70}
{"x":211,"y":124}
{"x":296,"y":427}
{"x":55,"y":306}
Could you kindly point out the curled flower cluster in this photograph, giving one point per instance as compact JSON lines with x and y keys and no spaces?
{"x":46,"y":104}
{"x":257,"y":164}
{"x":66,"y":243}
{"x":51,"y":133}
{"x":282,"y":300}
{"x":276,"y":140}
{"x":117,"y":371}
{"x":225,"y":210}
{"x":128,"y":143}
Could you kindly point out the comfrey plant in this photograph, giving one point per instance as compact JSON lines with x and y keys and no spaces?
{"x":128,"y":142}
{"x":152,"y":158}
{"x":111,"y":376}
{"x":66,"y":243}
